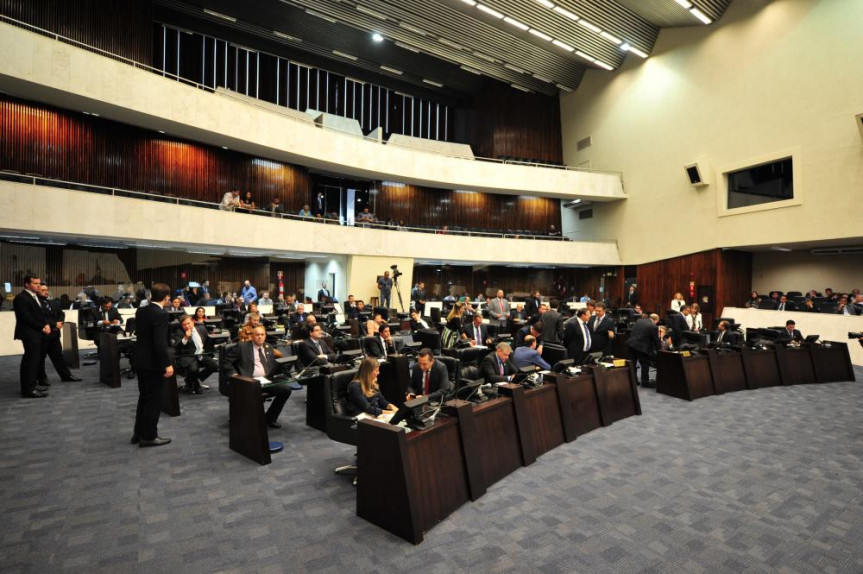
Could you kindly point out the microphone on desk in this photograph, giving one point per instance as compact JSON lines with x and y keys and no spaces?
{"x":309,"y":367}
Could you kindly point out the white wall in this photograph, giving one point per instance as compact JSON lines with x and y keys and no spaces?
{"x":318,"y":271}
{"x":769,"y":77}
{"x":363,"y":272}
{"x":804,"y":271}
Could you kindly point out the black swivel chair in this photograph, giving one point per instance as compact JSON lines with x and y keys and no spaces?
{"x":340,"y":427}
{"x":453,"y":368}
{"x":553,"y":353}
{"x":429,"y":339}
{"x":370,"y":347}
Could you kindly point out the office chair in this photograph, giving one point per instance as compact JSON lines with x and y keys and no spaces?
{"x":553,"y":353}
{"x":430,"y":339}
{"x":340,"y":427}
{"x":453,"y":367}
{"x":370,"y":347}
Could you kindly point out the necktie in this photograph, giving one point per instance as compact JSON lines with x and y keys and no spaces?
{"x":782,"y":306}
{"x":586,"y":337}
{"x":500,"y":367}
{"x":478,"y":336}
{"x":263,"y":359}
{"x":426,"y":383}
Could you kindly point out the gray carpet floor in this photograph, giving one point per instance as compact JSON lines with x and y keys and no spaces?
{"x":756,"y":481}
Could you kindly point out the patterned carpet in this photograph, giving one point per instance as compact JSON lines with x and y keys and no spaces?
{"x":757,"y":481}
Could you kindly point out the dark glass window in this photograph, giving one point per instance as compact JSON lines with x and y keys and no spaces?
{"x":760,"y":184}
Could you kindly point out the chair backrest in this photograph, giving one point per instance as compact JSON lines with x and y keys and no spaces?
{"x":452,"y":366}
{"x":370,"y":347}
{"x":340,"y":427}
{"x":429,"y":338}
{"x":553,"y":353}
{"x":224,"y":379}
{"x":472,"y":355}
{"x":435,"y":315}
{"x":339,"y":391}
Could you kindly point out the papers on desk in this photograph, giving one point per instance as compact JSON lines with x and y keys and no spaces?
{"x":383,"y":417}
{"x":263,"y":381}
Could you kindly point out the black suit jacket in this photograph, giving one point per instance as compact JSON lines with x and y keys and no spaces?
{"x":784,"y":335}
{"x":113,"y":314}
{"x":151,"y":346}
{"x":30,"y":317}
{"x":240,"y":359}
{"x":644,"y":337}
{"x":632,"y":299}
{"x":298,"y":318}
{"x":573,"y":339}
{"x":531,"y":307}
{"x":491,"y":371}
{"x":470,"y":332}
{"x":552,"y":326}
{"x":185,"y":352}
{"x":599,"y":339}
{"x":376,"y":347}
{"x":308,"y":353}
{"x":415,"y":326}
{"x":439,"y":383}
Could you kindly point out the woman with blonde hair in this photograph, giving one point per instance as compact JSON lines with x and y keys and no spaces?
{"x":363,"y":393}
{"x":452,"y":331}
{"x":677,"y":302}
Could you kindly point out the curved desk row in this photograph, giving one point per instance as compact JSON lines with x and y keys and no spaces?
{"x":409,"y":482}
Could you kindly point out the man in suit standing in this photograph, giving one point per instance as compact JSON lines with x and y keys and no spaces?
{"x":576,"y":336}
{"x":418,"y":296}
{"x":430,"y":378}
{"x":476,"y":333}
{"x":256,"y":359}
{"x":31,"y":328}
{"x":315,"y":348}
{"x":152,"y":364}
{"x":385,"y":286}
{"x":601,"y":330}
{"x":190,"y":355}
{"x":678,"y":324}
{"x":632,"y":297}
{"x":497,"y":367}
{"x":499,"y":307}
{"x":324,"y":295}
{"x":552,"y":322}
{"x":52,"y":348}
{"x":643,"y":343}
{"x":531,"y":306}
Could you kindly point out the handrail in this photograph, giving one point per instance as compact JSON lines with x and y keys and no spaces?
{"x":248,"y":100}
{"x":36,"y":179}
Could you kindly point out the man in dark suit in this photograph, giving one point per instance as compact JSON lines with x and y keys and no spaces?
{"x":785,"y":304}
{"x":109,"y":317}
{"x":190,"y":349}
{"x":418,"y":296}
{"x":632,"y":297}
{"x":417,"y":322}
{"x":152,"y":364}
{"x":789,"y":334}
{"x":476,"y":333}
{"x":497,"y":367}
{"x":535,"y":330}
{"x":351,"y":310}
{"x":576,"y":336}
{"x":726,"y":335}
{"x":430,"y":378}
{"x":531,"y":306}
{"x":31,"y":328}
{"x":256,"y":359}
{"x":602,"y":330}
{"x":324,"y":295}
{"x":381,"y":344}
{"x":51,"y":348}
{"x":643,"y":343}
{"x":552,"y":322}
{"x":677,"y":323}
{"x":315,"y":348}
{"x":299,"y":316}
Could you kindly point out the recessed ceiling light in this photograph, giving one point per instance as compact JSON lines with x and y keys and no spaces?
{"x":564,"y":12}
{"x":471,"y":2}
{"x":780,"y":248}
{"x":539,"y":34}
{"x":562,"y":87}
{"x":484,"y":57}
{"x":514,"y":68}
{"x":343,"y":55}
{"x":370,"y":12}
{"x":285,"y":36}
{"x":610,"y":38}
{"x":584,"y":56}
{"x":603,"y":65}
{"x":701,"y":16}
{"x":589,"y":26}
{"x":392,"y":70}
{"x":685,"y":3}
{"x":637,"y":52}
{"x":377,"y":37}
{"x":161,"y":131}
{"x":220,"y":15}
{"x":546,"y":3}
{"x":471,"y":70}
{"x":516,"y":23}
{"x":94,"y":114}
{"x":224,"y":147}
{"x":413,"y":29}
{"x":490,"y":11}
{"x":522,"y":88}
{"x":408,"y":48}
{"x":321,"y":16}
{"x":560,"y":44}
{"x":542,"y":79}
{"x":450,"y":43}
{"x":432,"y":83}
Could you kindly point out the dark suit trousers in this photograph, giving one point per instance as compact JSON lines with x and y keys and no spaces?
{"x":200,"y":369}
{"x":643,"y":360}
{"x":30,"y":362}
{"x":280,"y":394}
{"x":51,"y":348}
{"x":151,"y":385}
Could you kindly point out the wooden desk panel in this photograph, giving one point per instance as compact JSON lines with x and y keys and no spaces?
{"x":616,"y":393}
{"x":247,"y":426}
{"x":795,"y":366}
{"x":832,"y":364}
{"x":727,"y":369}
{"x":579,"y":408}
{"x":761,"y":368}
{"x":543,"y":414}
{"x":394,"y":377}
{"x":682,"y":377}
{"x":499,"y":452}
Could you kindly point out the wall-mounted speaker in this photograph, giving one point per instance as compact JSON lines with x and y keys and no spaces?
{"x":698,"y":173}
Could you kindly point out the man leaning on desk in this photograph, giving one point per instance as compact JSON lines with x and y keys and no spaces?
{"x":476,"y":333}
{"x":497,"y":367}
{"x":429,"y":377}
{"x":256,"y":359}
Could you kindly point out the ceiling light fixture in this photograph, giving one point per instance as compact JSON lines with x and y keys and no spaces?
{"x":522,"y":88}
{"x":701,"y":16}
{"x":546,"y":3}
{"x":589,"y":26}
{"x":610,"y":38}
{"x":564,"y":88}
{"x":514,"y":68}
{"x":471,"y":2}
{"x":377,"y":37}
{"x":471,"y":70}
{"x":637,"y":52}
{"x":343,"y":55}
{"x":603,"y":65}
{"x":224,"y":147}
{"x":432,"y":83}
{"x":560,"y":44}
{"x":219,"y":15}
{"x":485,"y":57}
{"x":584,"y":56}
{"x":450,"y":43}
{"x":489,"y":11}
{"x":564,"y":12}
{"x":321,"y":16}
{"x":408,"y":48}
{"x":516,"y":23}
{"x":685,"y":3}
{"x":539,"y":34}
{"x":413,"y":29}
{"x":543,"y":79}
{"x":161,"y":131}
{"x":370,"y":12}
{"x":392,"y":70}
{"x":285,"y":36}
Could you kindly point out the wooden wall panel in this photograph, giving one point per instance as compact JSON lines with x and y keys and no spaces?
{"x":733,"y":279}
{"x":469,"y":210}
{"x":59,"y":144}
{"x":121,"y":28}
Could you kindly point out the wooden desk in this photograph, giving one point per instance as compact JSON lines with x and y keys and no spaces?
{"x":499,"y":452}
{"x":727,"y":370}
{"x":543,"y":416}
{"x":795,"y":365}
{"x":109,"y":360}
{"x":761,"y":368}
{"x":247,"y":425}
{"x":616,"y":393}
{"x":579,"y":407}
{"x":686,"y":378}
{"x":70,"y":346}
{"x":833,"y":363}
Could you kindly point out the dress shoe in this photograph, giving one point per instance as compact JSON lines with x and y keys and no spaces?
{"x":158,"y":441}
{"x":35,"y":394}
{"x":43,"y":383}
{"x":135,"y":439}
{"x":42,"y":388}
{"x":274,"y":424}
{"x":198,"y":391}
{"x":187,"y":389}
{"x":72,"y":379}
{"x":205,"y":387}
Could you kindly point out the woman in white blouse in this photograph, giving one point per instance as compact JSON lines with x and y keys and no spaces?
{"x":677,"y":302}
{"x":694,"y":318}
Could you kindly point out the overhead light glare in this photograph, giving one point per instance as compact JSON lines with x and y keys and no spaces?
{"x":285,"y":36}
{"x":780,"y":248}
{"x":485,"y":57}
{"x":343,"y":55}
{"x":408,"y":48}
{"x":516,"y":23}
{"x":603,"y":65}
{"x":514,"y":68}
{"x":392,"y":70}
{"x":471,"y":2}
{"x":321,"y":16}
{"x":432,"y":83}
{"x":562,"y":87}
{"x":637,"y":52}
{"x":471,"y":70}
{"x":564,"y":12}
{"x":489,"y":11}
{"x":546,"y":3}
{"x":377,"y":37}
{"x":450,"y":43}
{"x":522,"y":88}
{"x":370,"y":12}
{"x":539,"y":34}
{"x":584,"y":56}
{"x":589,"y":26}
{"x":542,"y":79}
{"x":224,"y":147}
{"x":220,"y":15}
{"x":94,"y":114}
{"x":413,"y":29}
{"x":560,"y":44}
{"x":161,"y":131}
{"x":610,"y":38}
{"x":701,"y":16}
{"x":685,"y":3}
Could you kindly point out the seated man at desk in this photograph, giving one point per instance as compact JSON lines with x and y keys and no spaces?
{"x":190,"y":349}
{"x":386,"y":345}
{"x":255,"y":359}
{"x":299,"y":316}
{"x":315,"y":348}
{"x":535,"y":330}
{"x":430,"y":378}
{"x":528,"y":355}
{"x":497,"y":367}
{"x":726,"y":335}
{"x":363,"y":393}
{"x":246,"y":331}
{"x":109,"y":317}
{"x":789,"y":334}
{"x":476,"y":333}
{"x":417,"y":322}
